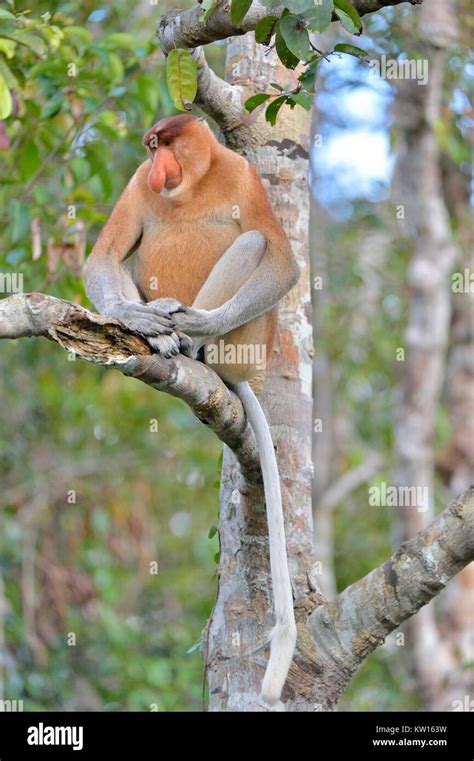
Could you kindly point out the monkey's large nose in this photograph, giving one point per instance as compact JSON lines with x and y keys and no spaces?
{"x":165,"y":170}
{"x":157,"y":177}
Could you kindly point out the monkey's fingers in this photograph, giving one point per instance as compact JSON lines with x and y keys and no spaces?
{"x":194,"y":322}
{"x":136,"y":310}
{"x":165,"y":306}
{"x":166,"y":346}
{"x":148,"y":325}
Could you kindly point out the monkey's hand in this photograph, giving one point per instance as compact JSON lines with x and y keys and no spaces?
{"x":163,"y":309}
{"x":197,"y":322}
{"x":153,"y":321}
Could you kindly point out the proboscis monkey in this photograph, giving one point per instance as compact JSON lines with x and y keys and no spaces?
{"x":210,"y":264}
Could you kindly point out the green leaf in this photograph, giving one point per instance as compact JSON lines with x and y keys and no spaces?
{"x":238,"y":10}
{"x":346,"y":21}
{"x":304,"y":99}
{"x":212,"y":532}
{"x":343,"y":47}
{"x":7,"y":74}
{"x":29,"y":161}
{"x":20,"y":221}
{"x":348,"y":16}
{"x":116,"y":68}
{"x":29,"y":40}
{"x":120,"y":40}
{"x":272,"y":111}
{"x":52,"y":106}
{"x":6,"y":102}
{"x":285,"y":55}
{"x":4,"y":14}
{"x":319,"y":15}
{"x":296,"y":36}
{"x":265,"y":29}
{"x":252,"y":103}
{"x":72,"y":32}
{"x":308,"y":77}
{"x":208,"y":6}
{"x":181,"y":75}
{"x":7,"y":47}
{"x":298,"y":6}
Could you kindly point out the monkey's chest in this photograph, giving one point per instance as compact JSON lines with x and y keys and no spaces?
{"x":175,"y":261}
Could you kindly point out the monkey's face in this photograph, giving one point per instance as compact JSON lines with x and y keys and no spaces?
{"x":179,"y":148}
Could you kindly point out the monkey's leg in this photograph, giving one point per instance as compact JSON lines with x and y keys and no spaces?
{"x":232,"y":270}
{"x":239,"y":354}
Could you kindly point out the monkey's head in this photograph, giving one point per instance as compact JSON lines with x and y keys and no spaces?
{"x":180,"y":149}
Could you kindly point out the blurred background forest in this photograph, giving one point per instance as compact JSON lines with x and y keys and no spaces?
{"x":101,"y":476}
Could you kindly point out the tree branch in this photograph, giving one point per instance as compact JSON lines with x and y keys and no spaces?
{"x":348,"y":629}
{"x":219,"y":99}
{"x":106,"y":342}
{"x":187,"y":29}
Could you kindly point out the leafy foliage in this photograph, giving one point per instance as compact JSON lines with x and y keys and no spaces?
{"x":84,"y":86}
{"x":76,"y":101}
{"x":294,"y":46}
{"x":291,"y":34}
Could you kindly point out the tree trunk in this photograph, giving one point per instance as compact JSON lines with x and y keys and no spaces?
{"x":243,"y":615}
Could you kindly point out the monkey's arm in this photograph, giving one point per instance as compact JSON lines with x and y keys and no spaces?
{"x":109,"y":284}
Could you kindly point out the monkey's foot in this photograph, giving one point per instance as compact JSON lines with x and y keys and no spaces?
{"x":186,"y":345}
{"x":167,"y":346}
{"x":170,"y":346}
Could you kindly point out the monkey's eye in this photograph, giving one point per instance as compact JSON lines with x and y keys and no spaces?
{"x":166,"y":143}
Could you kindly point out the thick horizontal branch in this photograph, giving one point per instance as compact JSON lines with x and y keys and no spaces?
{"x":348,"y":629}
{"x":106,"y":342}
{"x":187,"y":29}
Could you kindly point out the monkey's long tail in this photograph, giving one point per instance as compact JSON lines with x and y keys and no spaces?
{"x":283,"y":636}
